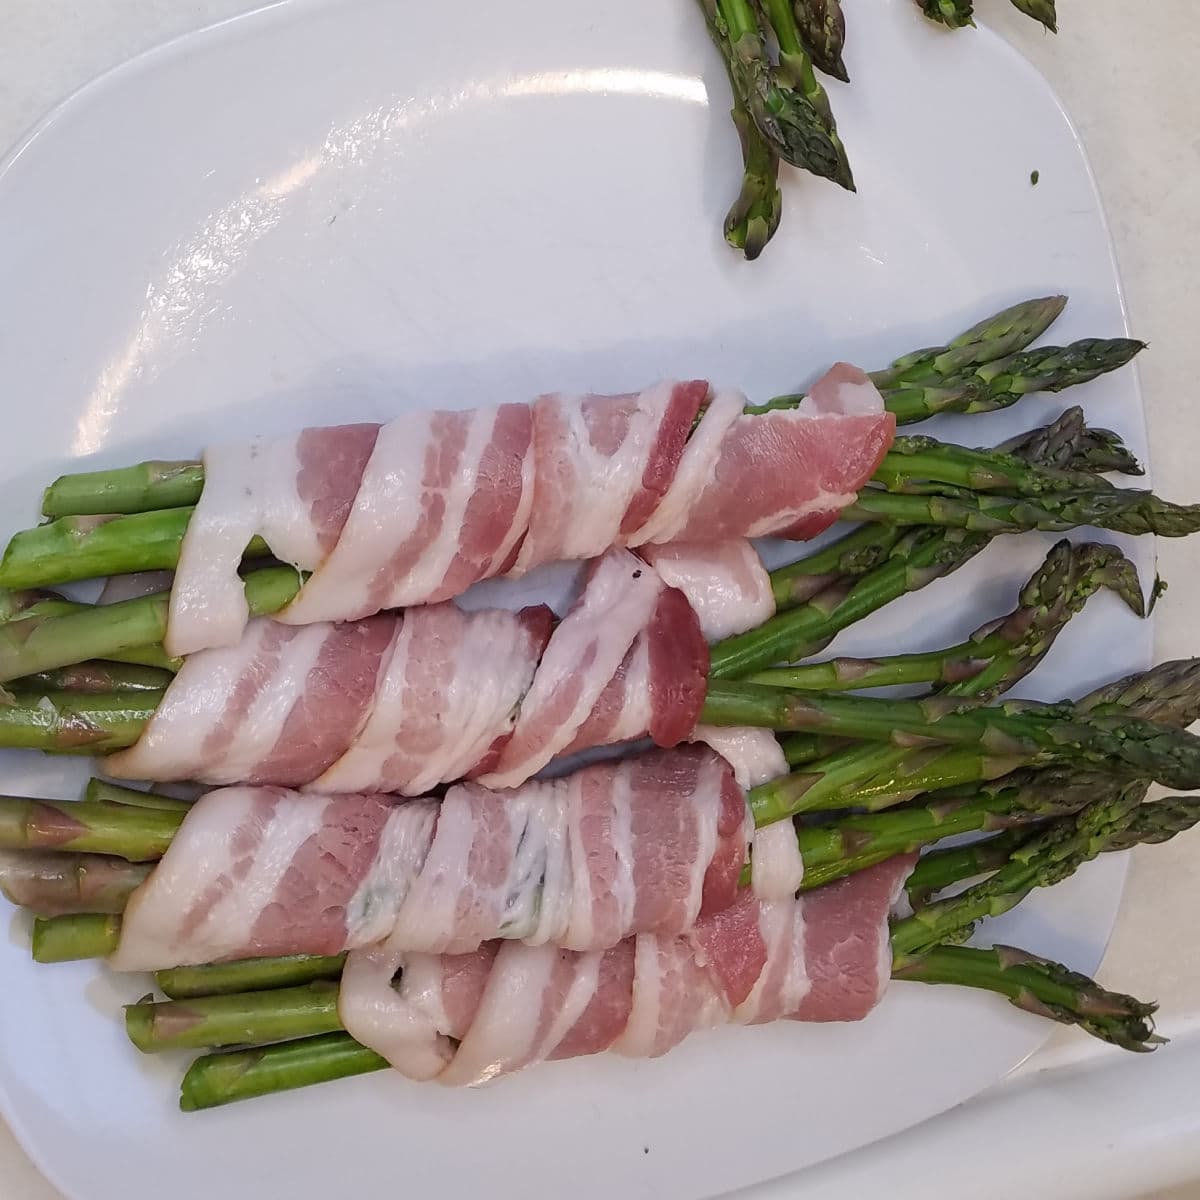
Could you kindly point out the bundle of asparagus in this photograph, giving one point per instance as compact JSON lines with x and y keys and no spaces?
{"x":772,"y":50}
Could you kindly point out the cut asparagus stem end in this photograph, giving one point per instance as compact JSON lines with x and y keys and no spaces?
{"x":217,"y":1079}
{"x":69,"y":939}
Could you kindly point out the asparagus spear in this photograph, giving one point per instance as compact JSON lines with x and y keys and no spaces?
{"x":236,"y":1019}
{"x":1039,"y":10}
{"x":1004,"y":333}
{"x":917,"y":464}
{"x":955,"y":14}
{"x":1123,"y":510}
{"x":918,"y":558}
{"x":140,"y":488}
{"x":43,"y":643}
{"x":135,"y":834}
{"x":95,"y":678}
{"x":52,"y":885}
{"x":71,"y":938}
{"x":248,"y":975}
{"x":1095,"y":450}
{"x":822,"y":27}
{"x":19,"y":607}
{"x":1046,"y":859}
{"x":1056,"y":592}
{"x":754,"y":217}
{"x":786,"y":110}
{"x":100,"y":791}
{"x":1040,"y":987}
{"x":1000,"y":384}
{"x":1151,"y":824}
{"x":796,"y":69}
{"x":223,"y":1078}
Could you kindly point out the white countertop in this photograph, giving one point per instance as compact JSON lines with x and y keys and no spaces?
{"x":1127,"y":75}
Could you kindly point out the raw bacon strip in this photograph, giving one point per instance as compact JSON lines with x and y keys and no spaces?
{"x":603,"y":463}
{"x":585,"y":652}
{"x":449,"y":692}
{"x":279,"y":707}
{"x":417,"y":510}
{"x":254,"y":870}
{"x":725,"y":583}
{"x":847,"y":952}
{"x":509,"y":1007}
{"x":294,"y":491}
{"x":659,"y":688}
{"x":785,"y":474}
{"x":777,"y":867}
{"x":407,"y":539}
{"x":619,"y":848}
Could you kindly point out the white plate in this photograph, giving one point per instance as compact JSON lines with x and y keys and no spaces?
{"x":329,"y":212}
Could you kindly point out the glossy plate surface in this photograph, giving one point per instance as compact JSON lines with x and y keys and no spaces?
{"x":322,"y":213}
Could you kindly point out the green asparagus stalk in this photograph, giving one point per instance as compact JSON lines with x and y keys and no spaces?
{"x":1039,"y":10}
{"x":36,"y":606}
{"x":786,"y":110}
{"x":101,"y":791}
{"x":1000,"y":384}
{"x":1038,"y":986}
{"x":1123,"y":510}
{"x":796,"y":70}
{"x":918,"y":464}
{"x":44,"y":643}
{"x":1003,"y":334}
{"x":1046,"y":859}
{"x":95,"y":678}
{"x":52,"y":885}
{"x":1052,"y":596}
{"x":219,"y":1079}
{"x":248,"y":975}
{"x":1097,"y":450}
{"x":919,"y":557}
{"x":1152,"y":824}
{"x":71,"y":938}
{"x":954,"y":14}
{"x":140,"y":488}
{"x":822,"y":27}
{"x":238,"y":1019}
{"x":754,"y":217}
{"x":135,"y":834}
{"x":849,"y":557}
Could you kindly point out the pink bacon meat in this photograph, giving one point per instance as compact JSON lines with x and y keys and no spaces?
{"x":644,"y":845}
{"x":417,"y":510}
{"x":403,"y":704}
{"x":465,"y":1019}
